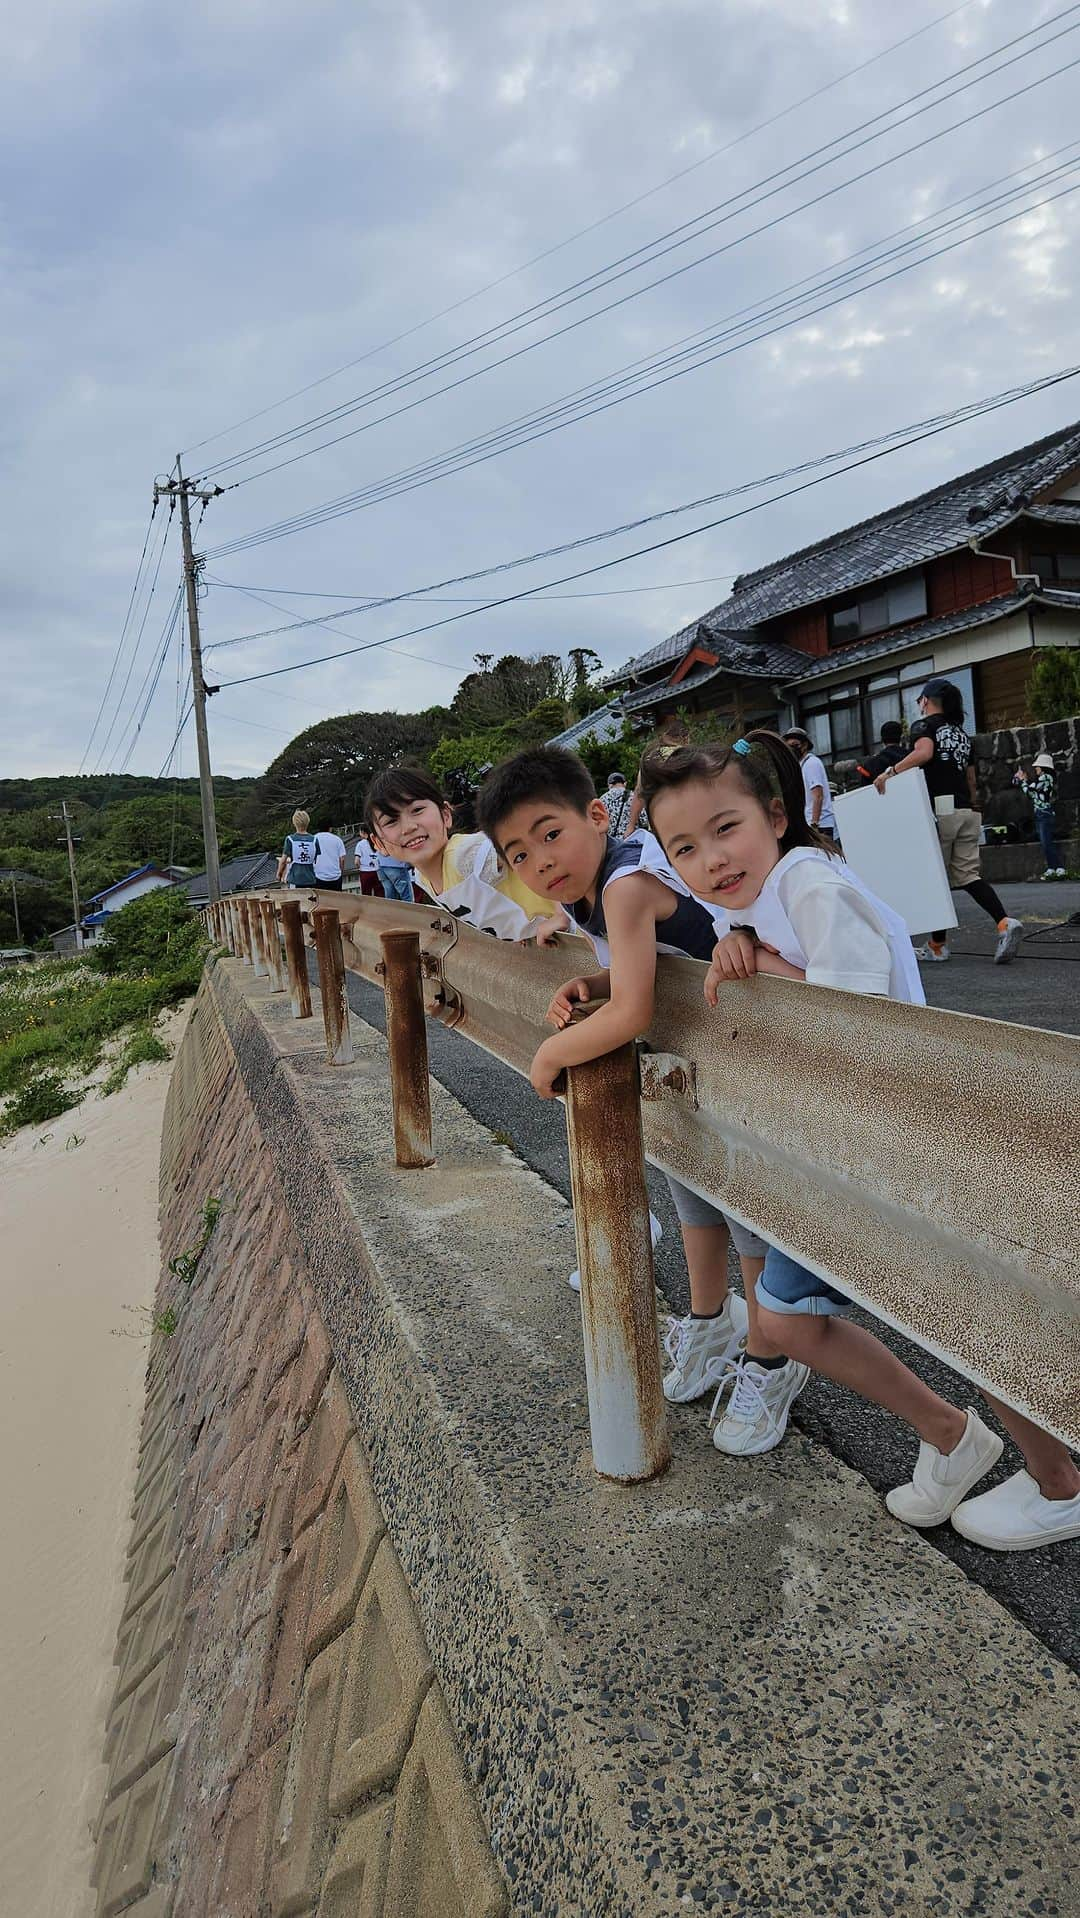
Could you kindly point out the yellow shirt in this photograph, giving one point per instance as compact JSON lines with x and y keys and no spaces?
{"x":478,"y":888}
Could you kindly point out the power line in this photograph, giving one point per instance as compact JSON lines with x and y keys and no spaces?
{"x":150,"y":682}
{"x":292,"y":592}
{"x":675,"y":238}
{"x":658,"y":545}
{"x":582,"y":232}
{"x":902,"y":434}
{"x":135,"y":649}
{"x":120,"y":641}
{"x":606,"y":391}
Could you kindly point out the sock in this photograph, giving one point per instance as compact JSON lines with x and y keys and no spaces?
{"x":767,"y":1365}
{"x":709,"y":1315}
{"x":1002,"y":925}
{"x":936,"y":945}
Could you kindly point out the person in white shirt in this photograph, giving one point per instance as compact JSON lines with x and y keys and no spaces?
{"x":729,"y":820}
{"x":367,"y":867}
{"x":329,"y":861}
{"x":819,"y":809}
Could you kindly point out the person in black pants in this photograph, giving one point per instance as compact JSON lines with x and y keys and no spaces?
{"x":942,"y":748}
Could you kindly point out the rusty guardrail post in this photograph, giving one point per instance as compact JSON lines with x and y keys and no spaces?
{"x":244,"y":918}
{"x":614,"y":1245}
{"x":296,"y":959}
{"x":406,"y":1033}
{"x":258,"y":940}
{"x":272,"y":945}
{"x":335,"y":1005}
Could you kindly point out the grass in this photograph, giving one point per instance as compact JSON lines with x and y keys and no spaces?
{"x":57,"y":1017}
{"x":185,"y":1265}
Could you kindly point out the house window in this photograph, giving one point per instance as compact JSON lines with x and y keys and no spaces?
{"x":891,"y":604}
{"x":1063,"y":566}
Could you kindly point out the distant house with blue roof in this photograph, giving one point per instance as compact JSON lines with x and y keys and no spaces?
{"x":114,"y":898}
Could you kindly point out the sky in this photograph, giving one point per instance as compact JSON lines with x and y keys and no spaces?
{"x":211,"y":208}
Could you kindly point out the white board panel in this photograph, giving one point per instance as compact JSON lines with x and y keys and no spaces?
{"x":891,"y":841}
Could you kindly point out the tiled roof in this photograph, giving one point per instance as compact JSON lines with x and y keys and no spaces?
{"x":606,"y":723}
{"x":974,"y":505}
{"x":1064,"y":512}
{"x":249,"y":869}
{"x":129,"y":877}
{"x":924,"y":633}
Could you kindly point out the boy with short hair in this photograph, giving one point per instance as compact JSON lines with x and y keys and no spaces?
{"x":541,"y":810}
{"x":411,"y":821}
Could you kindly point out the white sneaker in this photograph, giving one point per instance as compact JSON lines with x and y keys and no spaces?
{"x":1059,"y":872}
{"x":1015,"y":1516}
{"x":941,"y":1479}
{"x":926,"y":955}
{"x":756,"y":1415}
{"x":656,"y":1233}
{"x":699,"y":1349}
{"x":1008,"y":939}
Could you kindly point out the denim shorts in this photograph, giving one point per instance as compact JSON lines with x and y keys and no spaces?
{"x":693,"y":1210}
{"x":787,"y":1286}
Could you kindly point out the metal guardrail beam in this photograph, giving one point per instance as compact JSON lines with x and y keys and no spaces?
{"x":925,"y":1162}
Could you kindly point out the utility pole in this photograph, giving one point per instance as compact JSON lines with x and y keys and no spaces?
{"x":15,"y":909}
{"x":182,"y":489}
{"x":66,"y":817}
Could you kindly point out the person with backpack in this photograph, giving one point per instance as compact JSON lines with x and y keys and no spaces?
{"x":297,"y":863}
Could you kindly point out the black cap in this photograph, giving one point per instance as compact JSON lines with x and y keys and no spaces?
{"x":937,"y":688}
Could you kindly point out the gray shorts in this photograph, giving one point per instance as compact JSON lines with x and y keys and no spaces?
{"x":693,"y":1210}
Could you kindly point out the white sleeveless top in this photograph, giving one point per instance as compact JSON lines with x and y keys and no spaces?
{"x":821,"y":917}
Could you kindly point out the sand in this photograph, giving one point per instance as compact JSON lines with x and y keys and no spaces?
{"x":78,"y":1271}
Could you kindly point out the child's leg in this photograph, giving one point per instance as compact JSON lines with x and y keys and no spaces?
{"x":1048,"y":1461}
{"x":701,"y":1345}
{"x":957,"y":1449}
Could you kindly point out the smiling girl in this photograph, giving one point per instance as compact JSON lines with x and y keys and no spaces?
{"x":731,"y":821}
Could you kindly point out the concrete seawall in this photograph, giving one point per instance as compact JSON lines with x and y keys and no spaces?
{"x":389,"y":1646}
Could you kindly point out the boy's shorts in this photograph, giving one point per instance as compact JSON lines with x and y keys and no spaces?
{"x":787,"y":1286}
{"x":693,"y":1210}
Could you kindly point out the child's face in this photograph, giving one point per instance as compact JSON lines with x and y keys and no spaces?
{"x":718,"y":837}
{"x":555,"y":849}
{"x":417,"y":833}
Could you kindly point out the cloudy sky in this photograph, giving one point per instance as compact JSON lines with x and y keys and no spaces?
{"x":212,"y":207}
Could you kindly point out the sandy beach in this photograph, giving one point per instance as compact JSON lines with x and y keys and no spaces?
{"x":78,"y":1227}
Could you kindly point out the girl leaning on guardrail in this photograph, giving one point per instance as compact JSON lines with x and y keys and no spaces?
{"x":731,"y":822}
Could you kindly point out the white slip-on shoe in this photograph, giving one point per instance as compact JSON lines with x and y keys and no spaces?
{"x":1008,"y":939}
{"x":656,"y":1233}
{"x":1015,"y":1517}
{"x":927,"y":956}
{"x":755,"y":1417}
{"x":942,"y":1479}
{"x":699,"y":1349}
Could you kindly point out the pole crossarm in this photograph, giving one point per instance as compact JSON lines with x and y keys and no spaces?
{"x":924,"y":1162}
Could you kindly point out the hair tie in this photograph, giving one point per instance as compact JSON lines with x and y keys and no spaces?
{"x":743,"y":748}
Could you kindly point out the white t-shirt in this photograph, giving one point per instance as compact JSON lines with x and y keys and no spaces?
{"x":365,"y":856}
{"x":822,"y":918}
{"x":814,"y":774}
{"x":329,"y":853}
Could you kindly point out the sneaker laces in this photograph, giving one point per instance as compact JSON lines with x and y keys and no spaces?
{"x":748,"y":1400}
{"x":677,"y":1339}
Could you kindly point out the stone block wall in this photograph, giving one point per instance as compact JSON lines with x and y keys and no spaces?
{"x":277,"y":1741}
{"x":999,"y":755}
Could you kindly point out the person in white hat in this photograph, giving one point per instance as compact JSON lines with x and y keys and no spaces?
{"x":1038,"y":784}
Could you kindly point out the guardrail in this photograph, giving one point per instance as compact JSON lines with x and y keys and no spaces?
{"x":924,"y":1162}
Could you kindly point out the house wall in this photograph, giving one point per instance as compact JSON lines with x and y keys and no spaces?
{"x":151,"y":882}
{"x":967,"y":579}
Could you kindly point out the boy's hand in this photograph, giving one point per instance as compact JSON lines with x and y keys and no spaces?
{"x":547,"y":930}
{"x":574,"y":993}
{"x":546,"y":1067}
{"x":734,"y":957}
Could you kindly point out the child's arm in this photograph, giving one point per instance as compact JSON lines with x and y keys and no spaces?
{"x":577,"y":992}
{"x":739,"y":956}
{"x":547,"y":932}
{"x":631,"y":909}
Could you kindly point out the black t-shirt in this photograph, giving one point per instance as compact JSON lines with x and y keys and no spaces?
{"x":946,"y":772}
{"x":885,"y":757}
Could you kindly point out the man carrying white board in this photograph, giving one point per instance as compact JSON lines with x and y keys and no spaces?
{"x":940,"y":745}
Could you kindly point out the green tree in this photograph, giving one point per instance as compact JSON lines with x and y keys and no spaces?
{"x":158,"y":932}
{"x":326,"y":769}
{"x":1053,"y":687}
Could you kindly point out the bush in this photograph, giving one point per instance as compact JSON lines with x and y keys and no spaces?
{"x":46,"y":1097}
{"x":158,"y":933}
{"x":143,"y":1048}
{"x":1053,"y":688}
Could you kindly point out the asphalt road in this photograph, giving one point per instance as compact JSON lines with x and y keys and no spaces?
{"x":1040,"y":988}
